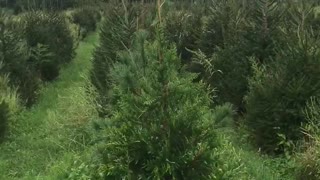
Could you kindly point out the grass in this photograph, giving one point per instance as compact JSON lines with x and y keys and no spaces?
{"x":248,"y":163}
{"x":44,"y":139}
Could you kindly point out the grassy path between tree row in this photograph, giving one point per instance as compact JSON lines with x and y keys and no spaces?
{"x":45,"y":138}
{"x":48,"y":138}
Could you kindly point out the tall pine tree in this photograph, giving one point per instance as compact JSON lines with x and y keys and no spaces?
{"x":116,"y":34}
{"x":280,"y":90}
{"x":161,"y":123}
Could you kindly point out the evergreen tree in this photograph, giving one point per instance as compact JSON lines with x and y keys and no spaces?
{"x":223,"y":25}
{"x":161,"y":123}
{"x":227,"y":70}
{"x":263,"y":34}
{"x":224,"y":53}
{"x":87,"y":18}
{"x":14,"y":54}
{"x":116,"y":34}
{"x":279,"y":91}
{"x":51,"y":30}
{"x":183,"y":28}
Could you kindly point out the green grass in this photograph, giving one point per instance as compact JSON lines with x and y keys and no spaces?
{"x":248,"y":162}
{"x":43,"y":140}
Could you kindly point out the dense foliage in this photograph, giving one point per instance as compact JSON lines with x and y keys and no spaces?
{"x":87,"y":18}
{"x":20,"y":5}
{"x":273,"y":110}
{"x":309,"y":160}
{"x":162,"y":126}
{"x":183,"y":29}
{"x":8,"y":105}
{"x":233,"y":32}
{"x":50,"y":30}
{"x":32,"y":49}
{"x":230,"y":36}
{"x":221,"y":89}
{"x":116,"y":34}
{"x":279,"y":91}
{"x":14,"y":55}
{"x":227,"y":70}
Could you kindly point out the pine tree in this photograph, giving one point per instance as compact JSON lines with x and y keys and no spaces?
{"x":14,"y":54}
{"x":223,"y":25}
{"x":87,"y":18}
{"x":223,"y":52}
{"x":50,"y":29}
{"x":183,"y":28}
{"x":116,"y":34}
{"x":227,"y":70}
{"x":161,"y":123}
{"x":263,"y":36}
{"x":280,"y":90}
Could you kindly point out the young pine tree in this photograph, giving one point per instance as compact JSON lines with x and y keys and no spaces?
{"x":116,"y":34}
{"x":263,"y":34}
{"x":14,"y":56}
{"x":279,"y":91}
{"x":87,"y":18}
{"x":222,"y":26}
{"x":161,"y":123}
{"x":227,"y":70}
{"x":51,"y":30}
{"x":224,"y":52}
{"x":183,"y":28}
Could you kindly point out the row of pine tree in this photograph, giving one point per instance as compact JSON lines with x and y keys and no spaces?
{"x":34,"y":45}
{"x":170,"y":75}
{"x":159,"y":85}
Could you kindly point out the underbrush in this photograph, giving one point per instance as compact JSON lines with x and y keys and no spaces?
{"x":9,"y":105}
{"x":309,"y":157}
